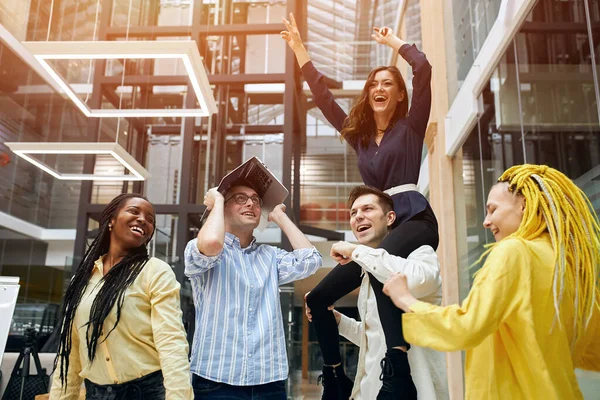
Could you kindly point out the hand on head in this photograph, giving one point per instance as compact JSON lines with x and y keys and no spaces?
{"x":292,"y":34}
{"x":211,"y":196}
{"x":278,"y":211}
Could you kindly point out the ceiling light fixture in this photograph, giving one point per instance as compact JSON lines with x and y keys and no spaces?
{"x":186,"y":50}
{"x":24,"y":150}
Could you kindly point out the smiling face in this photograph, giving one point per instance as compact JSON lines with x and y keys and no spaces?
{"x":384,"y":93}
{"x":133,"y":224}
{"x":504,"y":211}
{"x":241,"y":216}
{"x":369,"y":221}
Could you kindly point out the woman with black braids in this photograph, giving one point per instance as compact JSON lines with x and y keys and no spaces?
{"x":121,"y":329}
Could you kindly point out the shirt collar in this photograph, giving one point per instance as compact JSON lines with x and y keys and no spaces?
{"x":99,"y":265}
{"x":231,"y":240}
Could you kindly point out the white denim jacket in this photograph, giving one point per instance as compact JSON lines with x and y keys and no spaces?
{"x":428,"y":367}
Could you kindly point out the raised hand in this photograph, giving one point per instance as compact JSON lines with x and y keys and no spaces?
{"x":277,"y":212}
{"x":293,"y":39}
{"x":211,"y":196}
{"x":292,"y":35}
{"x":385,"y":35}
{"x":382,"y":35}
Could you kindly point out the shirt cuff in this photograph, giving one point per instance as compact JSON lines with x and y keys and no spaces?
{"x":369,"y":258}
{"x":192,"y":250}
{"x":412,"y":322}
{"x":420,"y":307}
{"x":344,"y":325}
{"x":306,"y":252}
{"x":404,"y":48}
{"x":308,"y":70}
{"x":348,"y":328}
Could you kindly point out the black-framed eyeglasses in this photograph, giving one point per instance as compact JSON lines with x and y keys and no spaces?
{"x":242,"y":198}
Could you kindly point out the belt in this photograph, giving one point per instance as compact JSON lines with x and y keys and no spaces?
{"x":402,"y":188}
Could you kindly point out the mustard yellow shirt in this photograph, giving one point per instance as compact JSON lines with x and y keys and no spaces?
{"x":506,"y":327}
{"x":149,"y":337}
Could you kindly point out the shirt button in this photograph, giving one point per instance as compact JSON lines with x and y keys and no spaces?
{"x":107,"y":359}
{"x":250,"y":355}
{"x":250,"y":309}
{"x":116,"y":382}
{"x":252,"y":286}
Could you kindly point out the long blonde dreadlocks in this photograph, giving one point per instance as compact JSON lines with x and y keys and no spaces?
{"x":553,"y":203}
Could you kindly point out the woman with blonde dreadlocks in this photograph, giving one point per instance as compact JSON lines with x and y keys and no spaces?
{"x":526,"y":323}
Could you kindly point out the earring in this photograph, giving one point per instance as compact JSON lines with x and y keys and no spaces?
{"x":109,"y":227}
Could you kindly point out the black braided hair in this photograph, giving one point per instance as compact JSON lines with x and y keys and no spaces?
{"x":116,"y":281}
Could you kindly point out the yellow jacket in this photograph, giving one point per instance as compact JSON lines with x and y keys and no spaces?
{"x":515,"y":348}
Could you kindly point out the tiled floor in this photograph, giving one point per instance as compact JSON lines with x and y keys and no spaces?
{"x":305,"y":389}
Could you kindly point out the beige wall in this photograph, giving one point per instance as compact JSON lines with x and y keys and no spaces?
{"x":442,"y":178}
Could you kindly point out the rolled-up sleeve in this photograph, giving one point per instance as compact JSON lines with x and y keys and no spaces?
{"x":351,"y":329}
{"x":169,"y":334}
{"x":297,"y":264}
{"x":422,"y":268}
{"x":197,"y":263}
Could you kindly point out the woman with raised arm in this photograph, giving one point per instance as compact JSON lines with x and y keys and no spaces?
{"x":532,"y":314}
{"x":121,"y":331}
{"x":388,"y":139}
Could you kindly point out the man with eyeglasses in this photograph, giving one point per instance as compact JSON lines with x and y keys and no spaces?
{"x":239,"y":349}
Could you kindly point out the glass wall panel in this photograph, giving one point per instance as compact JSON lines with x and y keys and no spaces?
{"x":540,"y":107}
{"x":30,"y":111}
{"x":134,"y":13}
{"x":164,"y":163}
{"x":41,"y":278}
{"x":472,"y":21}
{"x":412,"y":23}
{"x":164,"y":241}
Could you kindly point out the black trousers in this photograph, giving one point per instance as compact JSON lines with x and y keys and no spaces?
{"x":420,"y":230}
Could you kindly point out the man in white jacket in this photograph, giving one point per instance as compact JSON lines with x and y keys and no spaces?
{"x":371,"y":216}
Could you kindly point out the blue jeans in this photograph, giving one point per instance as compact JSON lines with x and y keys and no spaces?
{"x":205,"y":389}
{"x":148,"y":387}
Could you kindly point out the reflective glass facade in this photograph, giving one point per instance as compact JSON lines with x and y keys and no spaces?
{"x":541,"y":105}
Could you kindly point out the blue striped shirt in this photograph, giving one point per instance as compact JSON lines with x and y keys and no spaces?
{"x":239,"y":337}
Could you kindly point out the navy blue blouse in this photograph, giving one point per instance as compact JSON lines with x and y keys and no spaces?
{"x":397,"y":159}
